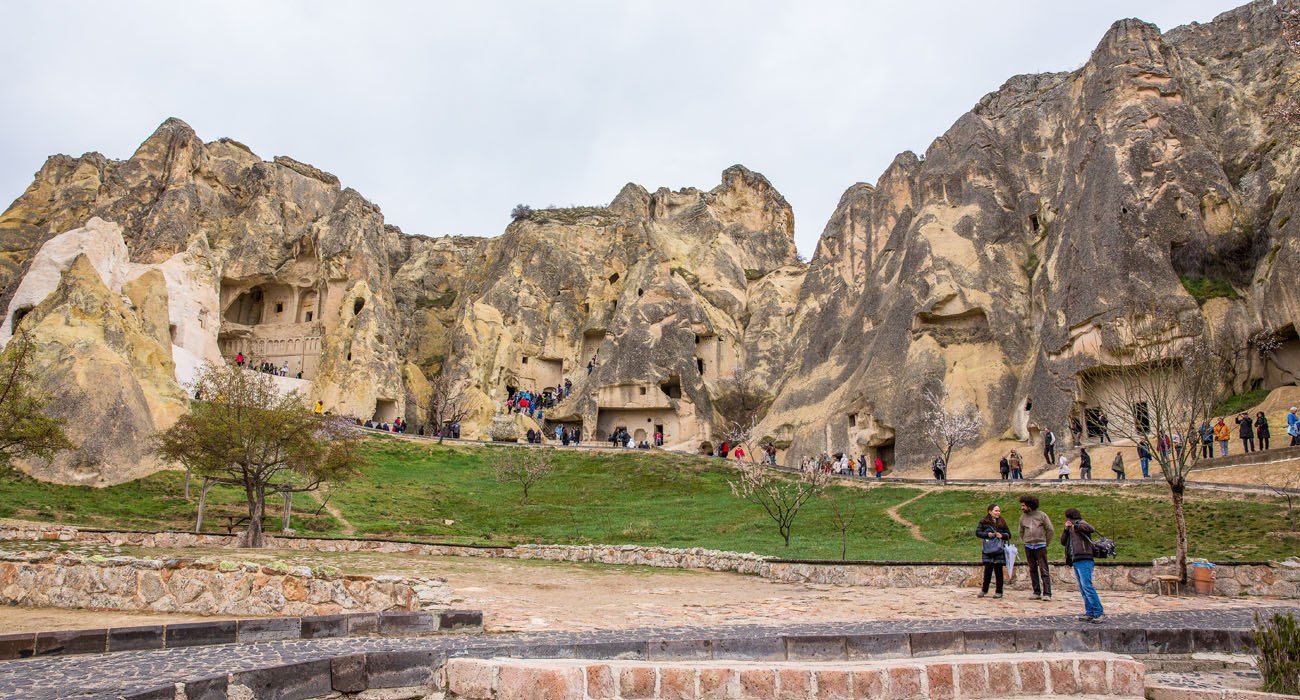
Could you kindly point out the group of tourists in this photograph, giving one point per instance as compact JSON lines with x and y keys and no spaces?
{"x":396,"y":426}
{"x":1036,"y":532}
{"x":264,"y":367}
{"x":621,"y":438}
{"x":568,"y":435}
{"x":841,"y":464}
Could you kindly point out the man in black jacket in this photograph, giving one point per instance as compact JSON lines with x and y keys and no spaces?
{"x":1079,"y":553}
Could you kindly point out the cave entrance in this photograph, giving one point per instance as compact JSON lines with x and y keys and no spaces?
{"x":246,"y":309}
{"x":19,"y":314}
{"x":672,"y":388}
{"x":385,"y":410}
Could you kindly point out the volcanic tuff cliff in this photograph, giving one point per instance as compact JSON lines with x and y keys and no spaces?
{"x":994,"y":264}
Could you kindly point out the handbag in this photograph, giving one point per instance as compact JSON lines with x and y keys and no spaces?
{"x":993,"y":546}
{"x":1103,"y":547}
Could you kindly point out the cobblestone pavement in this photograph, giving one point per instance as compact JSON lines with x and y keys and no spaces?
{"x":106,"y":675}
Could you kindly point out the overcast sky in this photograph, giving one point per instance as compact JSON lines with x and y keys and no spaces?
{"x":447,"y":114}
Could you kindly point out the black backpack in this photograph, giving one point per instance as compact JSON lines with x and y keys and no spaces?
{"x":1102,"y":547}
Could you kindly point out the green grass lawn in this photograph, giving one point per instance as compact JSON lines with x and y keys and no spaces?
{"x":448,"y":494}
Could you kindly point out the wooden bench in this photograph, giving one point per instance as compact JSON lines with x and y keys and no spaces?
{"x":1167,"y":585}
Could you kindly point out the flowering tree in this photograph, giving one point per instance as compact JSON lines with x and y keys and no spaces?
{"x":780,"y":496}
{"x":1160,"y":380}
{"x":949,"y":424}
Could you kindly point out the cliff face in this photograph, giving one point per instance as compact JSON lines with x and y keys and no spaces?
{"x":993,"y":265}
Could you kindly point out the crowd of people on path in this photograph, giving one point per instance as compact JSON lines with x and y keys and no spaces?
{"x":998,"y":554}
{"x":840,"y":464}
{"x":264,"y":367}
{"x":534,"y":403}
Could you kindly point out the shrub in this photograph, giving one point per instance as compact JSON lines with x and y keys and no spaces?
{"x":1030,"y":265}
{"x":521,"y":211}
{"x":1277,"y":653}
{"x":1204,"y":289}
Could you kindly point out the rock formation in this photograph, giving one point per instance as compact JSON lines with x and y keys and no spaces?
{"x":996,"y":264}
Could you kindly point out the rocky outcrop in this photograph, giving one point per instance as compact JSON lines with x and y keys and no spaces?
{"x":996,"y":264}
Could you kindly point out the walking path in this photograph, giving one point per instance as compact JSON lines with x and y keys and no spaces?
{"x":894,"y":515}
{"x":99,"y":675}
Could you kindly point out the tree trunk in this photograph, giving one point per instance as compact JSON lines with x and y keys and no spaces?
{"x":187,"y":483}
{"x":1180,"y":523}
{"x":785,"y":534}
{"x":288,"y":511}
{"x":844,"y":544}
{"x":203,"y":499}
{"x":253,"y":537}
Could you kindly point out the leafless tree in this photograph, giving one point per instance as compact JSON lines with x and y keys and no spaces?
{"x":1288,"y":488}
{"x":524,"y":466}
{"x":843,"y":516}
{"x":949,"y":423}
{"x":448,"y":402}
{"x":779,"y":495}
{"x":521,"y":211}
{"x":1160,"y":380}
{"x":739,"y":404}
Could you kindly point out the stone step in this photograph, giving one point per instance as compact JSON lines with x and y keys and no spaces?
{"x":939,"y":677}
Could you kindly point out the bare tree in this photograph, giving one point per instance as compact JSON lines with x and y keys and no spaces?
{"x":780,"y":496}
{"x":448,"y":402}
{"x":739,"y":405}
{"x":1160,"y":380}
{"x":524,"y":466}
{"x":949,"y":423}
{"x":1288,"y":488}
{"x":521,"y":211}
{"x":843,"y":516}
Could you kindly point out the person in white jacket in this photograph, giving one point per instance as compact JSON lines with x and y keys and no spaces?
{"x":1063,"y":468}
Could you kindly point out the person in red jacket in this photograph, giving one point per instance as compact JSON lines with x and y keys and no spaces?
{"x":880,"y":467}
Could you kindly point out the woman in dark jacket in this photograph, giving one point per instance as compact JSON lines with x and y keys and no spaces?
{"x":994,"y":534}
{"x":1261,"y":430}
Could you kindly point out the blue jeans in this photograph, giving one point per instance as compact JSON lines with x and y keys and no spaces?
{"x":1146,"y":467}
{"x":1083,"y":575}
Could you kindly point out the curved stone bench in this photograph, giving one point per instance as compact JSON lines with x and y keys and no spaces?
{"x":939,"y":678}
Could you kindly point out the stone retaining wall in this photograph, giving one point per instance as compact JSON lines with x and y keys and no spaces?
{"x":205,"y":588}
{"x":943,"y":678}
{"x":1277,"y":579}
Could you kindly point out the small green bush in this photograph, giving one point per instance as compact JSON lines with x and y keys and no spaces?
{"x":752,"y":274}
{"x":1277,"y":653}
{"x":1240,"y":402}
{"x":1204,"y":289}
{"x":1030,"y":265}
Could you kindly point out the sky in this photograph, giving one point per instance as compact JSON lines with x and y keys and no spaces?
{"x":447,"y":114}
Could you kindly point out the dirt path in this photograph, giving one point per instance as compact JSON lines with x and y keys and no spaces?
{"x":322,"y":496}
{"x":894,"y":515}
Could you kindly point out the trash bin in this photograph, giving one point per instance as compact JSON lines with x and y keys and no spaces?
{"x":1203,"y":577}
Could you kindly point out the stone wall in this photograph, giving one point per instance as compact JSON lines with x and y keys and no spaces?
{"x":204,"y":588}
{"x":1277,"y":579}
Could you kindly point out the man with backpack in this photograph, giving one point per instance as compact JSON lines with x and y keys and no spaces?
{"x":1079,"y":553}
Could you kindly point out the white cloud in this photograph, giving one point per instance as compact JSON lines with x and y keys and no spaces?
{"x":447,"y":114}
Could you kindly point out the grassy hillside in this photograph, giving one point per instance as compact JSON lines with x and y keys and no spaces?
{"x":448,"y":493}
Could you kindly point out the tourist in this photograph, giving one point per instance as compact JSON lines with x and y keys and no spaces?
{"x":844,"y":463}
{"x":1144,"y":458}
{"x":531,"y":436}
{"x":1085,"y":464}
{"x":1004,"y":468}
{"x":1293,"y":426}
{"x":1049,"y":446}
{"x":1036,"y":531}
{"x":993,"y":533}
{"x":739,"y":453}
{"x":862,"y":464}
{"x":1117,"y":466}
{"x":1222,"y":434}
{"x":1162,"y":446}
{"x":880,"y":467}
{"x":1017,"y":465}
{"x":239,"y":359}
{"x":659,"y":438}
{"x":1262,"y":430}
{"x":284,"y":370}
{"x":1207,"y":440}
{"x":1076,"y":429}
{"x":1063,"y":469}
{"x":1103,"y":427}
{"x":319,"y":408}
{"x":630,"y":442}
{"x":1079,"y":554}
{"x":724,"y":449}
{"x":940,"y":469}
{"x":1246,"y":431}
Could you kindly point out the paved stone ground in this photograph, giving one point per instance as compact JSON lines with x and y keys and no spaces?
{"x":105,"y":675}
